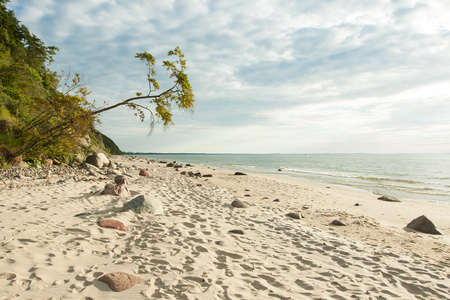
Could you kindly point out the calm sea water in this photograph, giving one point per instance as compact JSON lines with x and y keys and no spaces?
{"x":412,"y":176}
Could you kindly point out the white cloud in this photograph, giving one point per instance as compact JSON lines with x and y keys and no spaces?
{"x":282,"y":76}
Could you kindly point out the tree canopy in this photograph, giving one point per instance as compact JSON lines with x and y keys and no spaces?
{"x":46,"y":114}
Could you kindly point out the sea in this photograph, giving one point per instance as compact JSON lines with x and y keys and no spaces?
{"x":424,"y":177}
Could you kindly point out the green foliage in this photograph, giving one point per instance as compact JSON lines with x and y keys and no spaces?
{"x":110,"y":145}
{"x":45,"y":114}
{"x":3,"y":163}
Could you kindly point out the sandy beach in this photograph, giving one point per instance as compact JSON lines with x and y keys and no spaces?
{"x":202,"y":247}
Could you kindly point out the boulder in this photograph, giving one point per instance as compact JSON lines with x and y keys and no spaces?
{"x":121,"y":179}
{"x":143,"y":172}
{"x":104,"y":159}
{"x":239,"y":173}
{"x":294,"y":215}
{"x":112,"y":171}
{"x":47,"y":162}
{"x":239,"y":204}
{"x":116,"y":190}
{"x":109,"y":190}
{"x":144,"y":204}
{"x":110,"y":223}
{"x":388,"y":199}
{"x":423,"y":224}
{"x":89,"y":167}
{"x":338,"y":223}
{"x":120,"y":281}
{"x":122,"y":190}
{"x":95,"y":160}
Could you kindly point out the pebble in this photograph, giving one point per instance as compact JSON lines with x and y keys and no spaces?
{"x":15,"y":177}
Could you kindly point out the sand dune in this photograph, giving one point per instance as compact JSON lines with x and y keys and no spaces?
{"x":190,"y":252}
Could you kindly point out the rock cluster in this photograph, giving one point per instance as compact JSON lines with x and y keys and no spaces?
{"x":120,"y":189}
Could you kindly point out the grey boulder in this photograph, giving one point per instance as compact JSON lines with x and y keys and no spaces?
{"x":144,"y":204}
{"x":95,"y":160}
{"x":423,"y":224}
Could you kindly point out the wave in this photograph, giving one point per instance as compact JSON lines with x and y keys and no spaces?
{"x":408,"y":181}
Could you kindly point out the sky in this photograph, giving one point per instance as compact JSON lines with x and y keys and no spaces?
{"x":269,"y":76}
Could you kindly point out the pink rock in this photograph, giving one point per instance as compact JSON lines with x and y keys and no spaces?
{"x":110,"y":223}
{"x":116,"y":190}
{"x":109,"y":190}
{"x":122,"y":190}
{"x":144,"y":172}
{"x":120,"y":281}
{"x":121,"y":179}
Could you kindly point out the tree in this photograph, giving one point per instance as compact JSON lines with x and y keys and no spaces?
{"x":45,"y":113}
{"x":180,"y":93}
{"x":70,"y":114}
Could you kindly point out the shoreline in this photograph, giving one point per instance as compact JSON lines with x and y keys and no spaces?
{"x":50,"y":250}
{"x":356,"y":178}
{"x":321,"y":203}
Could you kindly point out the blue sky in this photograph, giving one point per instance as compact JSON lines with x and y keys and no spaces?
{"x":316,"y":76}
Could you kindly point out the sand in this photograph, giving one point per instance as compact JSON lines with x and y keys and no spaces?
{"x":46,"y":252}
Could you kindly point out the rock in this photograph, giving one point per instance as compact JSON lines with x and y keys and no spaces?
{"x":338,"y":223}
{"x":109,"y":190}
{"x":116,"y":190}
{"x":130,"y":175}
{"x":239,"y":204}
{"x":143,"y":172}
{"x":83,"y":214}
{"x":112,"y":171}
{"x":389,"y":199}
{"x":89,"y":167}
{"x":144,"y":204}
{"x":239,"y":173}
{"x":110,"y":223}
{"x":207,"y":175}
{"x":276,"y":200}
{"x":121,"y":179}
{"x":122,"y":190}
{"x":294,"y":215}
{"x":423,"y":224}
{"x":7,"y":276}
{"x":47,"y":162}
{"x":236,"y":231}
{"x":95,"y":161}
{"x":247,"y":195}
{"x":104,"y":159}
{"x":357,"y":204}
{"x":120,"y":281}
